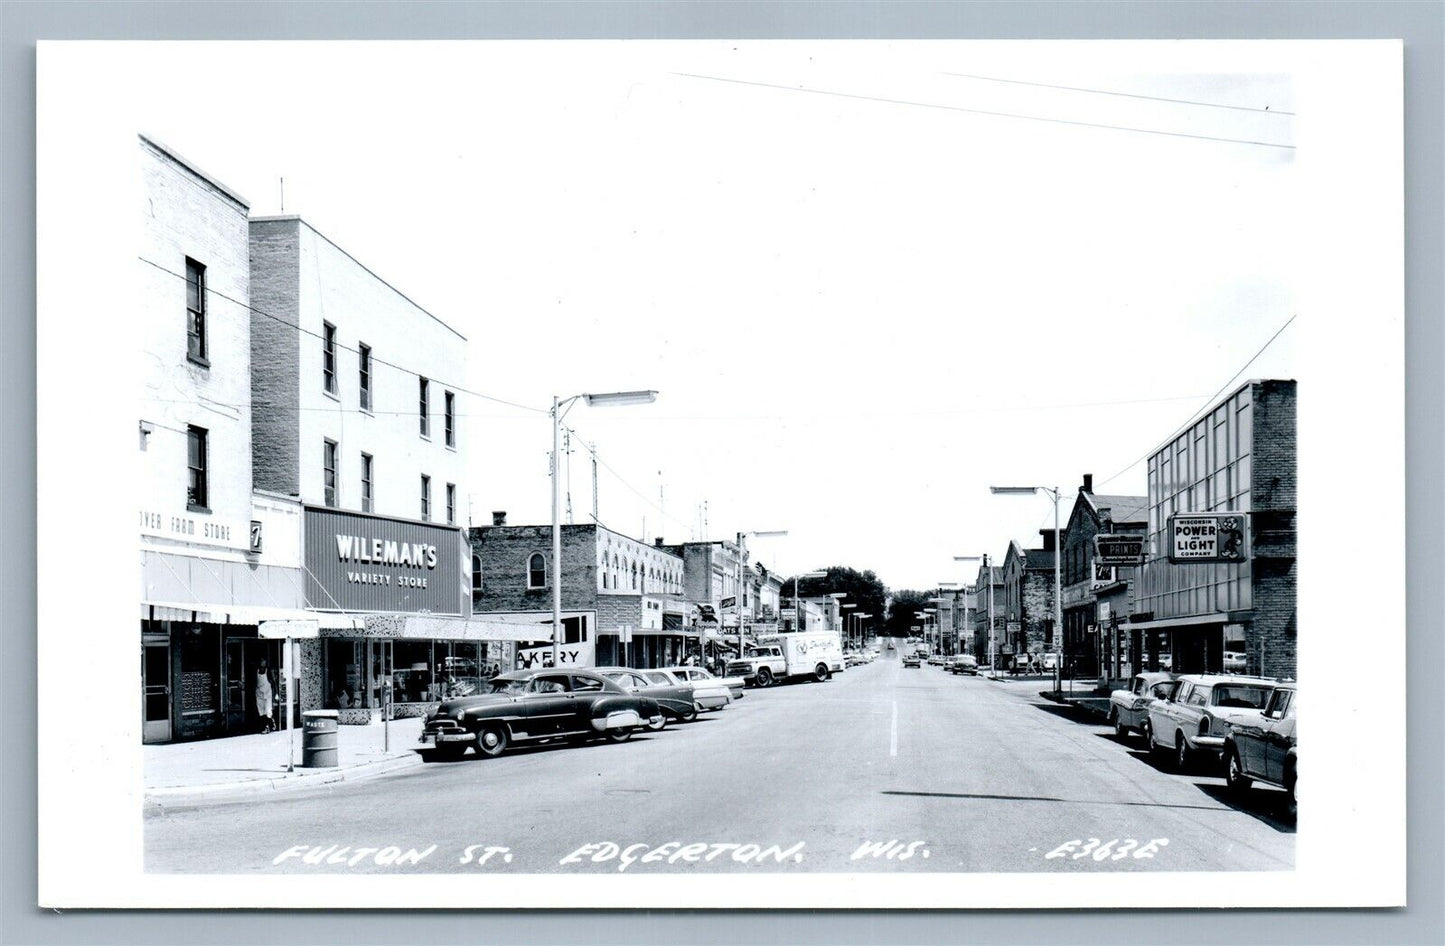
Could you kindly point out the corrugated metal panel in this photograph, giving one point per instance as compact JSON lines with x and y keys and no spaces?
{"x":356,"y":562}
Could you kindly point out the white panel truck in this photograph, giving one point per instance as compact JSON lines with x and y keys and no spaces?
{"x":814,"y":655}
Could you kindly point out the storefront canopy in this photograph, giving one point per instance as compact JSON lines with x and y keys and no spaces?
{"x":243,"y":614}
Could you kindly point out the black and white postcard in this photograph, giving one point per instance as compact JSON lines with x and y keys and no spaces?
{"x":909,"y":474}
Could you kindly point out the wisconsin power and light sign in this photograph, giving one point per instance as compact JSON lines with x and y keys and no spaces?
{"x":1209,"y":537}
{"x":356,"y":562}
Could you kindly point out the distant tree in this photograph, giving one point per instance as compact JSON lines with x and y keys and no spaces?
{"x":903,"y":609}
{"x":863,"y":589}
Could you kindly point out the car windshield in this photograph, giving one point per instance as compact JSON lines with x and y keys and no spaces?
{"x":508,"y":686}
{"x":1241,"y":697}
{"x":656,"y":677}
{"x":758,"y":652}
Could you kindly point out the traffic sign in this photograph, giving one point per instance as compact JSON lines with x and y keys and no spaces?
{"x":1120,"y":549}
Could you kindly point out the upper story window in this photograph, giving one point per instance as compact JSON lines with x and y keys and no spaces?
{"x":197,"y":492}
{"x":363,"y":372}
{"x":536,"y":571}
{"x":366,"y":496}
{"x":476,"y":575}
{"x":451,"y":504}
{"x":425,"y":498}
{"x":328,"y":357}
{"x":328,"y":472}
{"x":424,"y":405}
{"x":196,"y":312}
{"x":450,"y":404}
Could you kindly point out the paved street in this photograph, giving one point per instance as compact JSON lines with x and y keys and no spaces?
{"x":982,"y":776}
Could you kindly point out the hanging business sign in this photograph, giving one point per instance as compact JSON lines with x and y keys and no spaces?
{"x":1201,"y":538}
{"x":1111,"y":550}
{"x":356,"y":562}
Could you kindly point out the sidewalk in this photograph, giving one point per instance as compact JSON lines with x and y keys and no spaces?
{"x":240,"y":766}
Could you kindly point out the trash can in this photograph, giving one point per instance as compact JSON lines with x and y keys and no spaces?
{"x":318,"y":739}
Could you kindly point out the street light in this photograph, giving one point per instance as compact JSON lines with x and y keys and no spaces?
{"x":742,"y":556}
{"x":846,"y":628}
{"x":1058,"y":600}
{"x":859,"y":619}
{"x":618,"y":399}
{"x":992,"y":669}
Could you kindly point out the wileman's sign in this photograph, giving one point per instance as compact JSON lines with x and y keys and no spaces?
{"x":357,"y":562}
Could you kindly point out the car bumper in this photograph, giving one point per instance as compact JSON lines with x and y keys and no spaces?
{"x":443,"y":738}
{"x":713,"y":702}
{"x":1213,"y":744}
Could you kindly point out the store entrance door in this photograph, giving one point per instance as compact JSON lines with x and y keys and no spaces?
{"x":156,"y":680}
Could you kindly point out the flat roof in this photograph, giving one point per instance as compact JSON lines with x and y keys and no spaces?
{"x":280,"y":218}
{"x":195,"y":169}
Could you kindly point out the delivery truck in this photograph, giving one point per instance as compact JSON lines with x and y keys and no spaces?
{"x":775,"y":658}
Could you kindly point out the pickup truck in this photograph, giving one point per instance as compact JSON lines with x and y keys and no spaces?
{"x":812,"y":654}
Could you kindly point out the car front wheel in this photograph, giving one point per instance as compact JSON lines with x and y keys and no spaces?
{"x":765,"y":677}
{"x":492,"y":741}
{"x":1151,"y":742}
{"x":619,"y":735}
{"x":820,"y":673}
{"x":660,"y":725}
{"x":1234,"y":776}
{"x":1182,"y":756}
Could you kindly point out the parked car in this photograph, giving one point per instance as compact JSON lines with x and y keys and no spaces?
{"x":709,"y":695}
{"x":911,"y":660}
{"x":673,"y":697}
{"x":1234,"y":661}
{"x":1198,"y":715}
{"x":1265,"y":750}
{"x":964,"y":663}
{"x":531,"y":706}
{"x":736,"y":686}
{"x":1129,"y":708}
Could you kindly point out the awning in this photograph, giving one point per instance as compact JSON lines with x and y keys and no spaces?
{"x":245,"y":615}
{"x":1218,"y":617}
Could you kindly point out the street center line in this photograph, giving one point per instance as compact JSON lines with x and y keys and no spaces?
{"x":893,"y":732}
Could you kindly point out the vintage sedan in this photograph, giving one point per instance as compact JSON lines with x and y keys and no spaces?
{"x":1129,"y":708}
{"x":1265,"y":750}
{"x":911,"y":660}
{"x":736,"y":686}
{"x":707,"y":694}
{"x":533,"y":706}
{"x":1195,"y":719}
{"x":964,"y":663}
{"x":674,"y":698}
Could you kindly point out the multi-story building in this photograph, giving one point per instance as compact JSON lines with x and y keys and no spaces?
{"x":988,"y":614}
{"x":355,"y":395}
{"x":1028,"y":596}
{"x":1239,"y":457}
{"x":217,"y":558}
{"x":623,"y":599}
{"x":1092,"y":514}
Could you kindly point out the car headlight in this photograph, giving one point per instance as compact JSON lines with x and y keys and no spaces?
{"x":459,"y":714}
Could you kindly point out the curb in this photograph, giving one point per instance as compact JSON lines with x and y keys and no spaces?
{"x":223,"y":791}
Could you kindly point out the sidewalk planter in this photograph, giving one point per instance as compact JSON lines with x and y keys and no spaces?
{"x":319,"y":739}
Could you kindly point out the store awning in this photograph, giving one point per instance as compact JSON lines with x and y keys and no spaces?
{"x":247,"y":615}
{"x":1218,"y":617}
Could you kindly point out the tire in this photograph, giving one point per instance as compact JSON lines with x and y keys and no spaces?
{"x":1291,"y":809}
{"x":1149,"y":741}
{"x":619,"y":735}
{"x":1234,"y":777}
{"x":820,"y":673}
{"x":1183,"y":758}
{"x":492,"y":741}
{"x":690,"y":716}
{"x":661,"y":723}
{"x":765,"y":677}
{"x":1120,"y":729}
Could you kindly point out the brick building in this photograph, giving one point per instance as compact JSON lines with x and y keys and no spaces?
{"x":988,"y":606}
{"x":1238,"y":457}
{"x":1028,"y":598}
{"x":1089,"y":517}
{"x":609,"y":582}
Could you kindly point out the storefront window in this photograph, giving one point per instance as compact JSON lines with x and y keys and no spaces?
{"x":412,"y":676}
{"x":345,"y":686}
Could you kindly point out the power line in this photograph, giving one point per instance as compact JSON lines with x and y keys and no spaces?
{"x":456,"y":388}
{"x":980,"y":111}
{"x":1128,"y":95}
{"x":1222,"y":388}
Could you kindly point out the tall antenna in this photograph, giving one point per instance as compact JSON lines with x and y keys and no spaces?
{"x":593,"y":448}
{"x":661,"y":503}
{"x":283,"y":195}
{"x":704,"y":520}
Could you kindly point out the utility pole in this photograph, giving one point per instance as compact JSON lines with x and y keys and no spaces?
{"x":593,"y":448}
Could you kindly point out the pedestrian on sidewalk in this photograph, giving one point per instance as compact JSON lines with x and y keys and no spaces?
{"x":264,"y":695}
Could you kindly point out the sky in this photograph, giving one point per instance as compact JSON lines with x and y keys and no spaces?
{"x":868,"y":280}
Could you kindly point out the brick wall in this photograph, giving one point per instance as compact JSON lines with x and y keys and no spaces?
{"x":504,"y":553}
{"x":1272,"y":642}
{"x":275,"y":349}
{"x":1037,"y":613}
